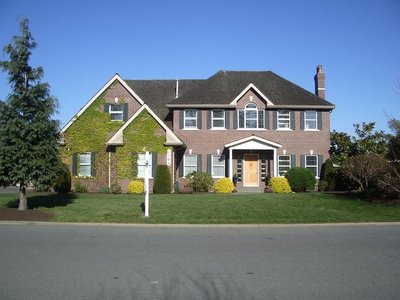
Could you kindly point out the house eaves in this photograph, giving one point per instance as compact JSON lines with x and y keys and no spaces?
{"x":325,"y":107}
{"x":248,"y":88}
{"x":201,"y":106}
{"x":171,"y":138}
{"x":98,"y":94}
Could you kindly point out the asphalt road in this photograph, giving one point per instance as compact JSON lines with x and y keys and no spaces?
{"x":56,"y":261}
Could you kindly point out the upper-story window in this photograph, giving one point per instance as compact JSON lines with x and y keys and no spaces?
{"x":251,"y":117}
{"x":218,"y":118}
{"x":310,"y":120}
{"x":190,"y":118}
{"x":283,"y":119}
{"x":117,"y":111}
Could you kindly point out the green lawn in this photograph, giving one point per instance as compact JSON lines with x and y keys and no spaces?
{"x":209,"y":208}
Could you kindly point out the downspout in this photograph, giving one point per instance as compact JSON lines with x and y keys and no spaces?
{"x":173,"y":170}
{"x":109,"y":171}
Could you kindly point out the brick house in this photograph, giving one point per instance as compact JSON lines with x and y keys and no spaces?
{"x":244,"y":125}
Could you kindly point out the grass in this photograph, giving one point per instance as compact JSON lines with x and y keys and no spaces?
{"x":209,"y":208}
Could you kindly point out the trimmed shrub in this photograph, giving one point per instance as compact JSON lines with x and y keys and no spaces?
{"x":80,"y":187}
{"x":328,"y":175}
{"x":280,"y":185}
{"x":136,"y":187}
{"x":224,"y":186}
{"x":62,"y":184}
{"x":116,"y":188}
{"x":162,"y":180}
{"x":200,"y":182}
{"x":301,"y":179}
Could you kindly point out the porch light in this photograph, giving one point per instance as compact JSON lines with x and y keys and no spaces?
{"x":218,"y":151}
{"x":190,"y":151}
{"x":311,"y":152}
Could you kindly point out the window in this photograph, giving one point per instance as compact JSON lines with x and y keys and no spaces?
{"x":218,"y":166}
{"x":250,"y":117}
{"x":284,"y":164}
{"x":116,"y":112}
{"x":190,"y":164}
{"x":218,"y":118}
{"x":84,"y":164}
{"x":141,"y":164}
{"x":312,"y":164}
{"x":283,"y":119}
{"x":190,"y":118}
{"x":310,"y":120}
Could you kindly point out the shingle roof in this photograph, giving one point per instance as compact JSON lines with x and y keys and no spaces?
{"x":158,"y":93}
{"x":221,"y":89}
{"x":225,"y":86}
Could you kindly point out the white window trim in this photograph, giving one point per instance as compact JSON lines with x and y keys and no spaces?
{"x":190,"y":118}
{"x":316,"y":121}
{"x":279,"y":114}
{"x":150,"y":165}
{"x":85,"y":164}
{"x":312,"y":166}
{"x":212,"y":165}
{"x":279,"y":165}
{"x":220,"y":118}
{"x":184,"y":163}
{"x":115,"y":112}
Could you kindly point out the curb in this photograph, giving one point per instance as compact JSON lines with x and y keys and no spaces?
{"x":137,"y":225}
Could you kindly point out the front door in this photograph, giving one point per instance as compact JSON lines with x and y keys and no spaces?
{"x":251,"y":170}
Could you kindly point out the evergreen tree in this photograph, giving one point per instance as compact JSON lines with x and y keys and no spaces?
{"x":28,"y":134}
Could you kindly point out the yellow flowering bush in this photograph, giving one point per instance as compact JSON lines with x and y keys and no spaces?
{"x":280,"y":185}
{"x":224,"y":186}
{"x":136,"y":187}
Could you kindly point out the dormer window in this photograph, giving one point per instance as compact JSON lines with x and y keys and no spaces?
{"x":251,"y":117}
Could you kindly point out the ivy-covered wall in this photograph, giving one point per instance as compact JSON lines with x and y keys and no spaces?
{"x":143,"y":134}
{"x":91,"y":131}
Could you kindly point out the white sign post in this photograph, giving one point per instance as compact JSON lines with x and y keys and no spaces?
{"x":146,"y":183}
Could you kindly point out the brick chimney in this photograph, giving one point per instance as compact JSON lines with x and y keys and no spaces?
{"x":319,"y":79}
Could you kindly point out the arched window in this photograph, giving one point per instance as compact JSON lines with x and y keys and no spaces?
{"x":251,"y":117}
{"x":251,"y":113}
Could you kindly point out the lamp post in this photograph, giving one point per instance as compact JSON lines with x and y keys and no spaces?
{"x":146,"y":183}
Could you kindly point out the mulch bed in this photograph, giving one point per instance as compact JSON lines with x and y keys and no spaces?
{"x":13,"y":214}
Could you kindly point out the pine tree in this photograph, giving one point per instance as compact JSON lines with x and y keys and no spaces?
{"x":28,"y":134}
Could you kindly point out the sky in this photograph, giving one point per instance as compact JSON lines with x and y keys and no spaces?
{"x":82,"y":44}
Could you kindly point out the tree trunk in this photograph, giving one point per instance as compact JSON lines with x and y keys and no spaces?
{"x":22,"y":198}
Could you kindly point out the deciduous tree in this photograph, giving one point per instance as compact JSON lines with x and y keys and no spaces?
{"x":366,"y":170}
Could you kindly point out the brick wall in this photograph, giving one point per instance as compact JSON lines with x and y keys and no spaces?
{"x":295,"y":142}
